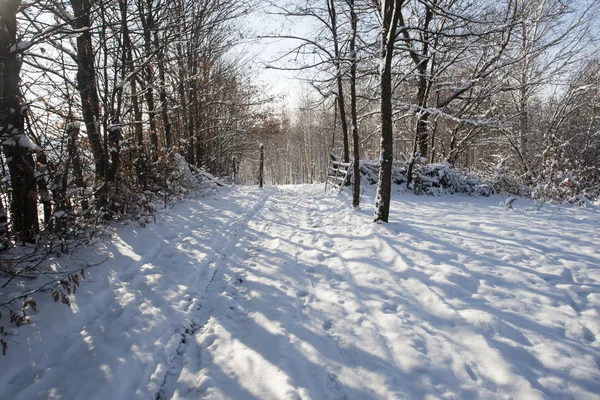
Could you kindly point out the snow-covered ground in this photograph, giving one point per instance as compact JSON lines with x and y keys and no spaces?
{"x":286,"y":293}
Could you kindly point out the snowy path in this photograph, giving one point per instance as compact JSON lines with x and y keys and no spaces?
{"x":285,"y":293}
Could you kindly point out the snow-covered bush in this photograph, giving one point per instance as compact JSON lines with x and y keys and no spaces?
{"x":28,"y":271}
{"x":434,"y":179}
{"x":503,"y":181}
{"x":440,"y":178}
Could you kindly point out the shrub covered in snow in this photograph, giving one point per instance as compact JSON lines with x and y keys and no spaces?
{"x":440,"y":178}
{"x":434,"y":179}
{"x":503,"y":181}
{"x":34,"y":270}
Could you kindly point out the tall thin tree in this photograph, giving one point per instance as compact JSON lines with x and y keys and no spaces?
{"x":390,"y":13}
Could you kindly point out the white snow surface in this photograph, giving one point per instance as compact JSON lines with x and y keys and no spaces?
{"x":287,"y":293}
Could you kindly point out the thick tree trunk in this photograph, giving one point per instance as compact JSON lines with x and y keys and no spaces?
{"x":87,"y":83}
{"x":23,"y":210}
{"x":390,"y":10}
{"x":422,"y":135}
{"x":16,"y":146}
{"x":114,"y":138}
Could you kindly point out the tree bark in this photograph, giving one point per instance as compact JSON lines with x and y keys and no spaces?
{"x":193,"y":108}
{"x":147,"y":19}
{"x":163,"y":92}
{"x":390,"y":10}
{"x":16,"y":146}
{"x":261,"y":166}
{"x":138,"y":152}
{"x":75,"y":161}
{"x":181,"y":86}
{"x":87,"y":83}
{"x":355,"y":144}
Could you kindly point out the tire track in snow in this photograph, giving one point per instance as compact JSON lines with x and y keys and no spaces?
{"x":199,"y":316}
{"x":252,"y":337}
{"x":258,"y":343}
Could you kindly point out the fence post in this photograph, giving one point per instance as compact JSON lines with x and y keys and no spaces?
{"x":233,"y":174}
{"x":261,"y":166}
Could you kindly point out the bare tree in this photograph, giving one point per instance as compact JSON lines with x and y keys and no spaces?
{"x":87,"y":82}
{"x":353,"y":100}
{"x":321,"y":55}
{"x":390,"y":15}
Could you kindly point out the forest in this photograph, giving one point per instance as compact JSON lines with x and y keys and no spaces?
{"x":212,"y":235}
{"x":98,"y":98}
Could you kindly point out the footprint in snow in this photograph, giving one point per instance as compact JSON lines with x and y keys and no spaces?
{"x":588,"y":335}
{"x":327,"y":324}
{"x":209,"y":340}
{"x":333,"y":384}
{"x":388,"y":308}
{"x":471,"y":373}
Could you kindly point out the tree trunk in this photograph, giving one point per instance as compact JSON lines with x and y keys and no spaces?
{"x":422,"y":135}
{"x":16,"y":145}
{"x":114,"y":139}
{"x":138,"y":152}
{"x":355,"y":144}
{"x":73,"y":134}
{"x":182,"y":95}
{"x":340,"y":86}
{"x":390,"y":10}
{"x":261,"y":166}
{"x":87,"y":83}
{"x":421,"y":61}
{"x":163,"y":92}
{"x":4,"y":242}
{"x":193,"y":109}
{"x":524,"y":105}
{"x":147,"y":19}
{"x":44,"y":192}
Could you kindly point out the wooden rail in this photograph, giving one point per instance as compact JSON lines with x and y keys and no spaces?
{"x":338,"y":173}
